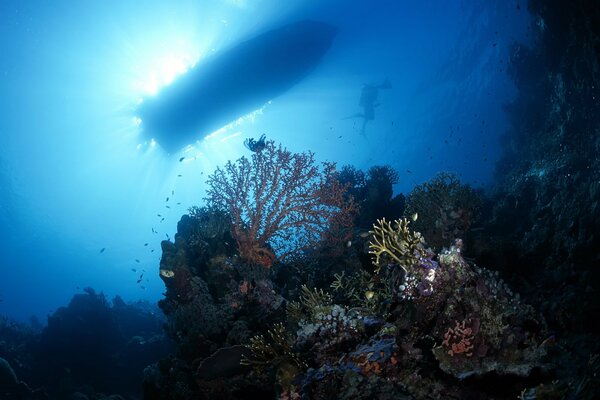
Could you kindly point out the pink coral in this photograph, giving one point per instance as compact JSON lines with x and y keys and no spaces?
{"x":459,"y":340}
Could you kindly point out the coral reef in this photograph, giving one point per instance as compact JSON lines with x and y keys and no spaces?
{"x":373,"y":192}
{"x":444,"y":209}
{"x":367,"y":331}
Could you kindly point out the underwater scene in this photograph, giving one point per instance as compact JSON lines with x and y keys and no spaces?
{"x":300,"y":199}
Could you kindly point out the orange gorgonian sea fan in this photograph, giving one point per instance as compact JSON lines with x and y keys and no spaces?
{"x":281,"y":203}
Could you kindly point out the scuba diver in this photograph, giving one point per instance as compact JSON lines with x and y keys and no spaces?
{"x":368,"y":102}
{"x":255,"y":145}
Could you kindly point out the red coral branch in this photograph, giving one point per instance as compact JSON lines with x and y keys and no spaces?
{"x":281,"y":203}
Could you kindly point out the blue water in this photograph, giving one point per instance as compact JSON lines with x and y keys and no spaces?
{"x":76,"y":176}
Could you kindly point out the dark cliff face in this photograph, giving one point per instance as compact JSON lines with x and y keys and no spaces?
{"x":233,"y":83}
{"x":545,"y":222}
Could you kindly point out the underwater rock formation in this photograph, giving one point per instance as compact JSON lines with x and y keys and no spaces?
{"x":369,"y":333}
{"x":88,"y":348}
{"x":545,"y":224}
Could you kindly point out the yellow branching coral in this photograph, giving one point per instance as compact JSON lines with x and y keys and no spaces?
{"x":276,"y":351}
{"x":315,"y":299}
{"x":395,"y":241}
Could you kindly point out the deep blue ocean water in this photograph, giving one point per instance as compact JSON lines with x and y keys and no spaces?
{"x":83,"y":194}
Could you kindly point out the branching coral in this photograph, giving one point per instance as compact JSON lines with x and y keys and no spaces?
{"x":314,"y":299}
{"x":396,"y":241}
{"x":281,"y":203}
{"x":311,"y":303}
{"x":276,"y":351}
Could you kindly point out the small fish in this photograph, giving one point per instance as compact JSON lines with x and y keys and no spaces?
{"x":167,"y":235}
{"x":179,"y":175}
{"x":181,"y":159}
{"x":137,"y":261}
{"x":153,"y":231}
{"x":143,"y":287}
{"x":168,"y":206}
{"x":349,"y":243}
{"x":172,"y":193}
{"x":102,"y":249}
{"x":152,"y":251}
{"x":141,"y":276}
{"x":369,"y":294}
{"x":139,"y":280}
{"x":145,"y":244}
{"x":167,"y":273}
{"x":167,"y":200}
{"x":134,"y":270}
{"x":179,"y":203}
{"x":339,"y":137}
{"x":414,"y":217}
{"x":162,"y":219}
{"x":158,"y":215}
{"x":408,"y":171}
{"x":549,"y":341}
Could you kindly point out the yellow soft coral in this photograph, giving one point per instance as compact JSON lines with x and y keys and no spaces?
{"x":397,"y":241}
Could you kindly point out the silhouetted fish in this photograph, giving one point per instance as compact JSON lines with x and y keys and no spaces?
{"x":137,"y":261}
{"x":102,"y":249}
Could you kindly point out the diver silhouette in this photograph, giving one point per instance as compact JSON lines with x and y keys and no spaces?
{"x":368,"y":102}
{"x":255,"y":145}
